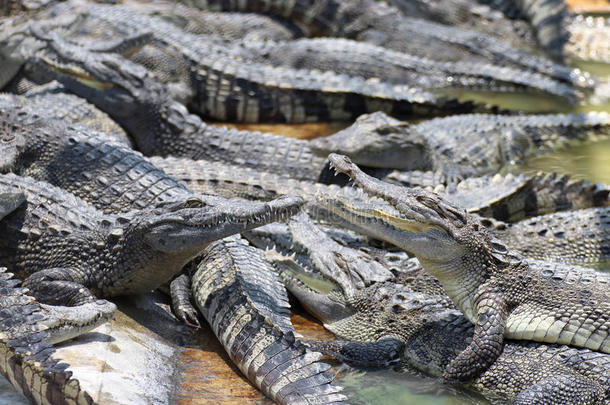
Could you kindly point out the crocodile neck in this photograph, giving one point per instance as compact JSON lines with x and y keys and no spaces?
{"x":459,"y":281}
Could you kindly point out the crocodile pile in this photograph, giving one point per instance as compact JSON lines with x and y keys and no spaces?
{"x":441,"y":261}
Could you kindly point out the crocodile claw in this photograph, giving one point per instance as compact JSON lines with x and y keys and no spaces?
{"x":188,"y":314}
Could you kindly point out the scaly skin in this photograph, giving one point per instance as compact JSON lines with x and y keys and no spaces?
{"x":355,"y":58}
{"x":28,"y":329}
{"x":9,"y":202}
{"x":90,"y":165}
{"x":460,"y":145}
{"x":380,"y":24}
{"x":247,"y":309}
{"x":161,"y":126}
{"x":547,"y":18}
{"x":108,"y":175}
{"x":232,"y":86}
{"x":12,"y":7}
{"x":318,"y":17}
{"x":123,"y":179}
{"x":510,"y":198}
{"x":236,"y":26}
{"x":575,"y":237}
{"x":347,"y":266}
{"x":55,"y":101}
{"x":505,"y":198}
{"x":384,"y":26}
{"x":472,"y":15}
{"x":64,"y":249}
{"x":411,"y":320}
{"x":496,"y":289}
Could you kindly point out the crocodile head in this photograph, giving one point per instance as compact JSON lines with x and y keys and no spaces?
{"x":320,"y":295}
{"x":155,"y":244}
{"x":381,"y":310}
{"x":64,"y":323}
{"x":377,"y":140}
{"x":126,"y":91}
{"x":451,"y":244}
{"x":183,"y":227}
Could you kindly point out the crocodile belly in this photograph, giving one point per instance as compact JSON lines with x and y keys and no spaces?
{"x":576,"y":329}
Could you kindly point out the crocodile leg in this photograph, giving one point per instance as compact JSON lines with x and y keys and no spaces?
{"x":59,"y":286}
{"x":27,"y":357}
{"x":486,"y":343}
{"x":373,"y":354}
{"x":180,"y":292}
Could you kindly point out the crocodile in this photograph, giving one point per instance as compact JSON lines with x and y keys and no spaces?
{"x":309,"y":243}
{"x":123,"y":179}
{"x":248,"y":311}
{"x":93,"y":166}
{"x":369,"y":61}
{"x":411,"y":321}
{"x":231,"y":86}
{"x":503,"y":197}
{"x":381,"y":24}
{"x":237,"y":26}
{"x":69,"y":253}
{"x":459,"y":145}
{"x":472,"y":15}
{"x":526,"y":23}
{"x":574,"y":237}
{"x":160,"y":126}
{"x":58,"y":103}
{"x":29,"y":330}
{"x":495,"y":288}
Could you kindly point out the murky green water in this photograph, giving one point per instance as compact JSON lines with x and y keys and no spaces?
{"x":589,"y":161}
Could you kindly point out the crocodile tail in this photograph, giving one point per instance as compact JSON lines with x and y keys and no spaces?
{"x":555,"y":193}
{"x":26,"y":353}
{"x":251,"y":324}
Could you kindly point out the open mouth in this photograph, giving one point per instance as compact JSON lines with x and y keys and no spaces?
{"x":369,"y":213}
{"x":77,"y":74}
{"x":269,"y":214}
{"x":294,"y":271}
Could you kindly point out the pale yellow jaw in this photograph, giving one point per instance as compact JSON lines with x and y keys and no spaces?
{"x":79,"y":75}
{"x":340,"y":207}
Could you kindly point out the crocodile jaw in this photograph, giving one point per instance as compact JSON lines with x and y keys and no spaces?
{"x":439,"y":254}
{"x":64,"y":323}
{"x":383,"y":221}
{"x":190,"y":230}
